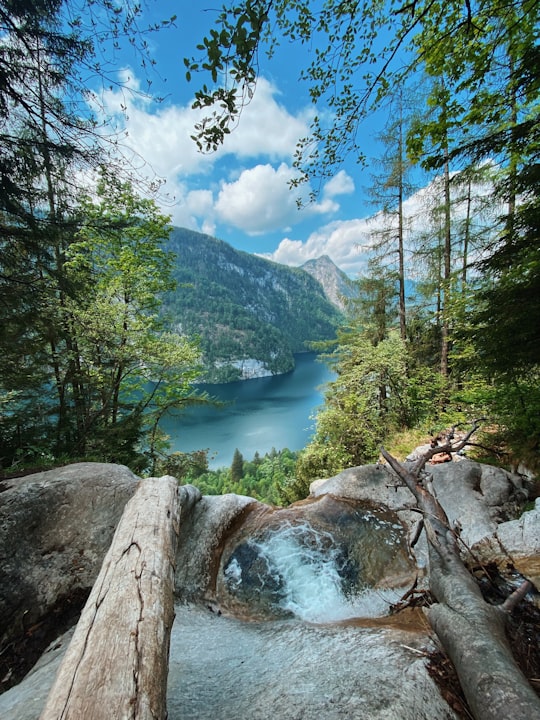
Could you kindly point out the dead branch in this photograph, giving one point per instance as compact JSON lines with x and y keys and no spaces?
{"x":470,"y":630}
{"x":516,"y":597}
{"x":447,"y":447}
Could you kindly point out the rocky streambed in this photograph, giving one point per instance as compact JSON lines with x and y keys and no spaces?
{"x":280,"y":613}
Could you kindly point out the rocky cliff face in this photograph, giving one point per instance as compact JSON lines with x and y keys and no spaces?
{"x":337,"y":286}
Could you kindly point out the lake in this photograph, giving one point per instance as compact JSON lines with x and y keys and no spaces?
{"x":261,"y":414}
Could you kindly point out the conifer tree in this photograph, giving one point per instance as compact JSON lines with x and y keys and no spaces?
{"x":237,"y":466}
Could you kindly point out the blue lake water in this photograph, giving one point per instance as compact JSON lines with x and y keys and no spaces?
{"x":261,"y":414}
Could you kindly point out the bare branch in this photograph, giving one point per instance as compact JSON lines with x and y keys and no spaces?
{"x":448,"y":447}
{"x":519,"y":593}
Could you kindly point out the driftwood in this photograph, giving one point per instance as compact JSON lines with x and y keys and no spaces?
{"x":471,"y":631}
{"x":116,"y":665}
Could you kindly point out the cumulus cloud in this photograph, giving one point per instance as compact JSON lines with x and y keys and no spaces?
{"x":340,"y":184}
{"x":157,"y":140}
{"x":266,"y":128}
{"x":162,"y":134}
{"x":255,"y":199}
{"x":345,"y":242}
{"x":261,"y":200}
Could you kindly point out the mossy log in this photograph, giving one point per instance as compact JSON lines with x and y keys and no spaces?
{"x":117,"y":662}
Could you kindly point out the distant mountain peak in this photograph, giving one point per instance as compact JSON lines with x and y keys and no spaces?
{"x":336,"y":284}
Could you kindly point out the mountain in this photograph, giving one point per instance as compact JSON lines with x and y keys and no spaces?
{"x":336,"y":284}
{"x":251,"y":314}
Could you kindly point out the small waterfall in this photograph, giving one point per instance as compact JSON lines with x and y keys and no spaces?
{"x":303,"y":571}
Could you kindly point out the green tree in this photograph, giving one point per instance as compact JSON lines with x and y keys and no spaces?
{"x":48,"y":50}
{"x":366,"y":401}
{"x":391,"y":187}
{"x":115,"y":370}
{"x":237,"y":466}
{"x":374,"y":305}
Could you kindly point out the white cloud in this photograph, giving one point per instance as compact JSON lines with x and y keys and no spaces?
{"x":193,"y":209}
{"x":266,"y":128}
{"x":162,"y":134}
{"x":343,"y":241}
{"x":259,"y":201}
{"x":340,"y":184}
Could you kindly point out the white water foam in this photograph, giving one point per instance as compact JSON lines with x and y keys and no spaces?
{"x":307,"y":562}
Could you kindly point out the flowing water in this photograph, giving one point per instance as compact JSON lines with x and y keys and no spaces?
{"x":322,"y":561}
{"x":309,"y":576}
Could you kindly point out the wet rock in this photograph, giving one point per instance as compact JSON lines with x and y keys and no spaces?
{"x":227,"y":669}
{"x":313,"y":558}
{"x":202,"y":533}
{"x":224,"y":668}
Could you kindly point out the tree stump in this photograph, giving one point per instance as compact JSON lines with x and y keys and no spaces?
{"x":116,"y":665}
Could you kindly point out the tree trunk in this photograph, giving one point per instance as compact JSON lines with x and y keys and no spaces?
{"x":401,"y":233}
{"x":447,"y":267}
{"x":116,"y":665}
{"x":470,"y":630}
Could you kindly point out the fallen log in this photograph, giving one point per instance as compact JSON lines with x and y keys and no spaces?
{"x":470,"y":630}
{"x":116,"y":664}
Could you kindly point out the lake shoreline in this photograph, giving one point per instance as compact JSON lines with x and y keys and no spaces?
{"x":258,"y":414}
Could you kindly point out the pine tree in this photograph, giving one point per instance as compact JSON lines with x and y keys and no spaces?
{"x":237,"y":466}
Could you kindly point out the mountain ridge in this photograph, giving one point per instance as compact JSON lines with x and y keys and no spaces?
{"x":337,"y":286}
{"x":251,"y":314}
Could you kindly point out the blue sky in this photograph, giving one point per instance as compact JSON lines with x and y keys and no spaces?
{"x":240,"y":194}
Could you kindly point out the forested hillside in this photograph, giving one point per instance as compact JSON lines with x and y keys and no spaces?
{"x":243,"y":306}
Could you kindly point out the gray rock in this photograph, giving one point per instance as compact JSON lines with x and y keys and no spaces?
{"x":471,"y":494}
{"x":202,"y":532}
{"x":223,"y":668}
{"x":370,"y":482}
{"x":515,"y":545}
{"x":55,"y":528}
{"x":26,"y":700}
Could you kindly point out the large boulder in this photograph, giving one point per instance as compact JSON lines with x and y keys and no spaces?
{"x":515,"y":546}
{"x":474,"y":496}
{"x":55,"y":528}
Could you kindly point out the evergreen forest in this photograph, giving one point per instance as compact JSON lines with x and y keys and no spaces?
{"x":93,"y":351}
{"x":242,"y":306}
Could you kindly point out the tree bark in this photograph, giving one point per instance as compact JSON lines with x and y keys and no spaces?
{"x":117,"y":662}
{"x":470,"y":630}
